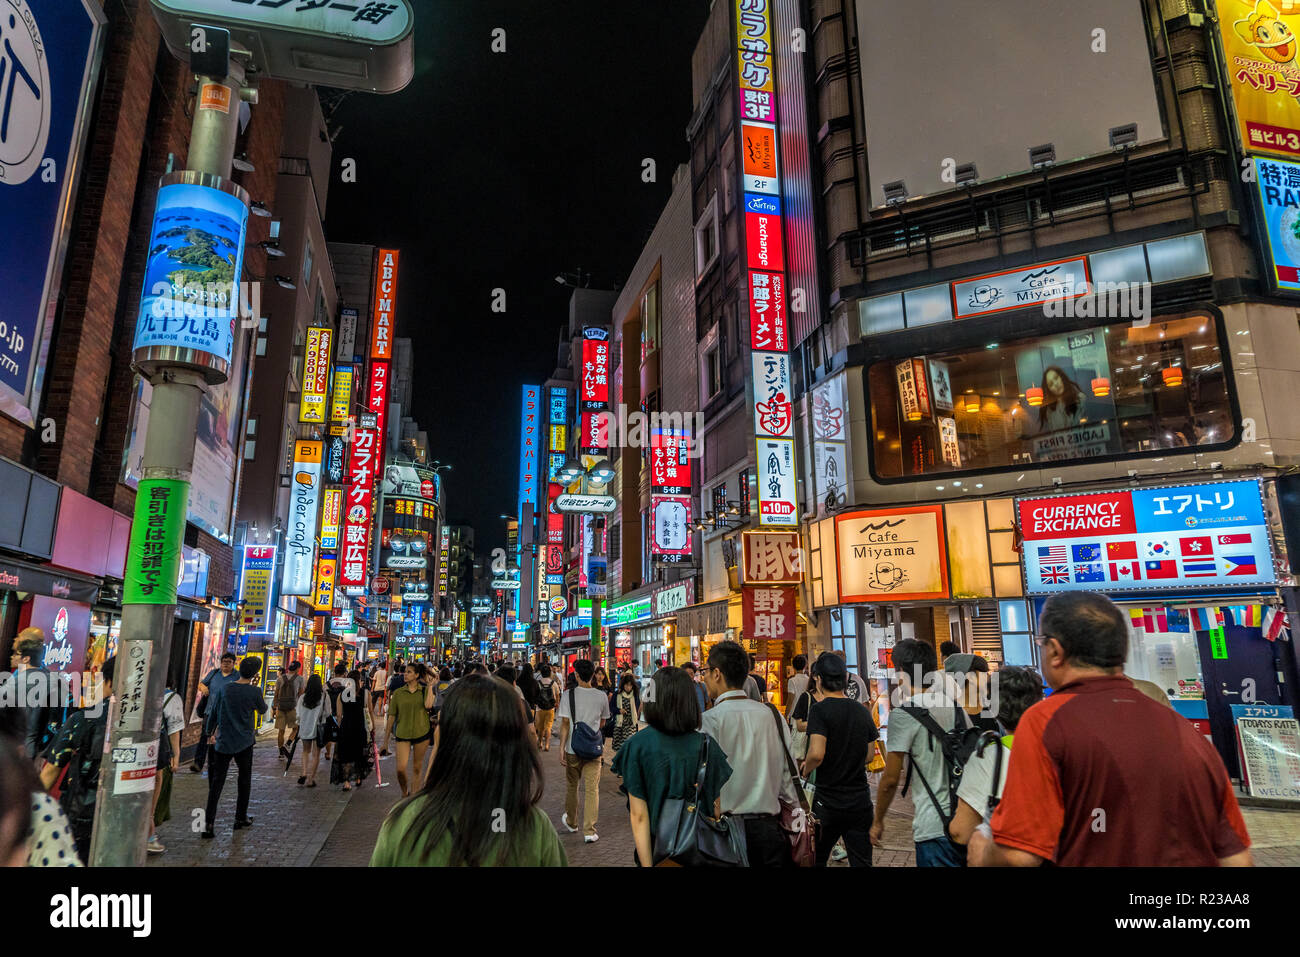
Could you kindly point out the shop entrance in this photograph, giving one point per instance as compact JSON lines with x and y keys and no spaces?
{"x":1250,"y":669}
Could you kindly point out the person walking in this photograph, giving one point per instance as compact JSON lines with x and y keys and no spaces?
{"x":582,"y":713}
{"x":527,"y":683}
{"x":313,"y":710}
{"x":79,"y":748}
{"x":985,"y":774}
{"x":548,"y":693}
{"x":209,"y":688}
{"x":627,"y":712}
{"x":663,"y":761}
{"x":756,"y":742}
{"x":911,"y":735}
{"x":1167,"y":798}
{"x":351,"y":754}
{"x":478,"y":807}
{"x":408,"y":715}
{"x":235,"y":707}
{"x":169,"y":754}
{"x":796,"y":684}
{"x":701,"y":695}
{"x":841,"y":739}
{"x":378,"y":685}
{"x":34,"y":693}
{"x":288,"y":688}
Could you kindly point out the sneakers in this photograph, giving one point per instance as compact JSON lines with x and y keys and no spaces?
{"x":591,"y":839}
{"x":196,"y":769}
{"x":565,"y":818}
{"x":156,"y":846}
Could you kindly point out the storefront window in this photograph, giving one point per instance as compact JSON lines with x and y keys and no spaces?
{"x":1094,"y":393}
{"x":1169,"y":659}
{"x":105,"y":629}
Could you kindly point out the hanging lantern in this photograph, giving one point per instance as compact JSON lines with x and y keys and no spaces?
{"x":1173,"y":376}
{"x":1034,"y":396}
{"x":914,"y":415}
{"x":1101,"y":387}
{"x":972,"y":403}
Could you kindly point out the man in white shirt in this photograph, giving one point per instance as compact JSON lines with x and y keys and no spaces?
{"x":588,"y":706}
{"x":797,"y":684}
{"x":756,"y":742}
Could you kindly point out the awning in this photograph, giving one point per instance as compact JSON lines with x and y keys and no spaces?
{"x":20,"y":576}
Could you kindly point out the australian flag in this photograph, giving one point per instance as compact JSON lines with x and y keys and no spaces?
{"x":1089,"y":573}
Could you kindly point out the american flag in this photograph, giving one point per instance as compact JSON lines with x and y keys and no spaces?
{"x":1055,"y":574}
{"x":1052,"y":553}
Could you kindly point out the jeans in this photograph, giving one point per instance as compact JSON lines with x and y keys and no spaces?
{"x":217,"y":780}
{"x":201,"y":749}
{"x":586,"y":773}
{"x":852,"y":825}
{"x":940,"y":852}
{"x":765,"y":843}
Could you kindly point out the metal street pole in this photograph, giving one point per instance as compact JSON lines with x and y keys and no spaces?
{"x":124,"y":804}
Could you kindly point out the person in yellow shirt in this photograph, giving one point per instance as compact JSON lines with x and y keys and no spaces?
{"x":408,"y":716}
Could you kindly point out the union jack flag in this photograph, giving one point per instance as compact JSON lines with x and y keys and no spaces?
{"x":1054,"y":574}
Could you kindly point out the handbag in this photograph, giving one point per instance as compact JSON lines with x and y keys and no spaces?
{"x":797,"y":820}
{"x":686,"y":836}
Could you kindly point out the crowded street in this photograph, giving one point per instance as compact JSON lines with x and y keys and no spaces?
{"x":745,"y":435}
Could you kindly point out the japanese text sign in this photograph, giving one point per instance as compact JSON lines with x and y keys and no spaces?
{"x":772,"y":558}
{"x":769,"y":613}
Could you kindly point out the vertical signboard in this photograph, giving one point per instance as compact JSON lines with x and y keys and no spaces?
{"x":530,"y":445}
{"x":377,"y":402}
{"x":383,"y":322}
{"x":304,"y":505}
{"x":255,"y":588}
{"x":760,"y":184}
{"x":830,"y":447}
{"x":358,"y":508}
{"x":341,"y":401}
{"x":52,"y":55}
{"x":595,"y":367}
{"x":1259,"y":45}
{"x":323,"y":588}
{"x":670,"y":502}
{"x":347,"y":338}
{"x":316,"y":375}
{"x":330,"y":518}
{"x":769,"y":613}
{"x":1278,"y":188}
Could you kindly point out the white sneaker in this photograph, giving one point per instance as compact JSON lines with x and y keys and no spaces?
{"x":156,"y":846}
{"x":565,"y":818}
{"x":591,"y":838}
{"x":838,"y":853}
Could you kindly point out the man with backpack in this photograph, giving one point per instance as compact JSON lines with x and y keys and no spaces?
{"x":79,"y":748}
{"x":582,"y":713}
{"x":935,"y":734}
{"x":548,"y":690}
{"x":288,"y":689}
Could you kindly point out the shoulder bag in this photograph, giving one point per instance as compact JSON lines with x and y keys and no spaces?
{"x":587,"y":742}
{"x":686,"y":835}
{"x":797,"y":820}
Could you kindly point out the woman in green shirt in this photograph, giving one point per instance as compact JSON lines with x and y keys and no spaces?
{"x":662,"y":761}
{"x":479,"y":807}
{"x":408,"y":715}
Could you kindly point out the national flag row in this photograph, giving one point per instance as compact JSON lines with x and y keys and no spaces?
{"x":1271,"y":620}
{"x":1132,"y":571}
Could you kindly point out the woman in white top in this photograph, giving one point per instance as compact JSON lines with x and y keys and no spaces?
{"x":311,"y":712}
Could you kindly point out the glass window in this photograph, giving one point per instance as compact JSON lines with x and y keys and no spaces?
{"x":1178,"y":258}
{"x":1088,"y":394}
{"x":307,"y":254}
{"x":1126,"y":264}
{"x":1013,"y":616}
{"x":881,"y":314}
{"x":650,"y":321}
{"x":927,"y":305}
{"x":1018,"y":650}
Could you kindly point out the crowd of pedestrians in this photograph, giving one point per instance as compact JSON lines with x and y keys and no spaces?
{"x":709,"y":772}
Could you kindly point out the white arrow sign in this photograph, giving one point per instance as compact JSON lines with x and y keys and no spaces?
{"x":586,"y":503}
{"x":504,"y":583}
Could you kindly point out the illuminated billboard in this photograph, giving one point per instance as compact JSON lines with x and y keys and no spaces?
{"x":383,"y":324}
{"x":315,"y":375}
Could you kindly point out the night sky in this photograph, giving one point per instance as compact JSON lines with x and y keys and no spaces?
{"x":501,"y":170}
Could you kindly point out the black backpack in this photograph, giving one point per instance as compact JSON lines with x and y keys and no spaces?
{"x":546,"y":695}
{"x":82,"y":782}
{"x":957,"y":746}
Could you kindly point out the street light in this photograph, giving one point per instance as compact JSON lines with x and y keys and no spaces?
{"x":601,"y":473}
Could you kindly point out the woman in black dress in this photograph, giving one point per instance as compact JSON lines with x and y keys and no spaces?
{"x":351,"y":751}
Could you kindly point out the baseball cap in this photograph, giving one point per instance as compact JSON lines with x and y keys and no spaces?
{"x":963,"y":663}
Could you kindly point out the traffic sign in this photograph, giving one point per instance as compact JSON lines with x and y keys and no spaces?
{"x":586,"y":503}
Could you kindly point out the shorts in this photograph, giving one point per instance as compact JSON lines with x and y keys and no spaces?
{"x":424,"y":737}
{"x":286,"y":719}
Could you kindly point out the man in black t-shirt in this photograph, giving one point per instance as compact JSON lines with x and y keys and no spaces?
{"x":840,"y":735}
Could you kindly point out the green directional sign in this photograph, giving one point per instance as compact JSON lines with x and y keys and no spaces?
{"x":153,"y":560}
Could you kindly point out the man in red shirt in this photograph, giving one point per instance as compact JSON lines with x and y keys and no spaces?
{"x":1101,"y":775}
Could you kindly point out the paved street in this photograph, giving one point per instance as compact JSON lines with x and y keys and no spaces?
{"x":297,"y":827}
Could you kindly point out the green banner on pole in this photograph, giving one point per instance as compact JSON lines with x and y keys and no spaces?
{"x":153,"y":560}
{"x":1218,"y":646}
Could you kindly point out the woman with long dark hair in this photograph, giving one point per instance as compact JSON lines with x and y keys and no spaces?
{"x":479,"y":805}
{"x":1062,"y":406}
{"x":351,"y":754}
{"x":312,"y":710}
{"x":527,"y":683}
{"x":626,"y":710}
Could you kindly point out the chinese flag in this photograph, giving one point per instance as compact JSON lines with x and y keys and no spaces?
{"x":1120,"y":550}
{"x":1201,"y":545}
